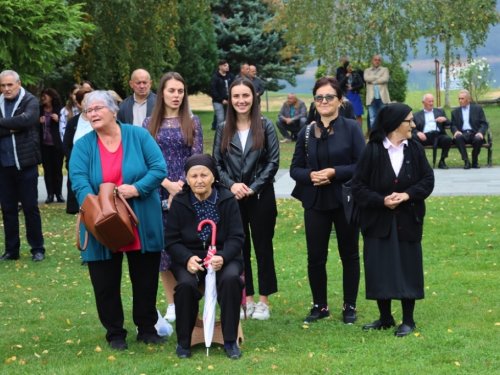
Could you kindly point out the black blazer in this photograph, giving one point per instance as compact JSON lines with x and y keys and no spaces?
{"x":374,"y":179}
{"x":419,"y":118}
{"x":54,"y":128}
{"x":126,"y":112}
{"x":477,"y":119}
{"x":344,"y":146}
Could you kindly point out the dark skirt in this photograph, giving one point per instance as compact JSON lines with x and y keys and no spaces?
{"x":393,"y":268}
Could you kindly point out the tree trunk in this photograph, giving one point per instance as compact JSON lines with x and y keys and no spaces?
{"x":447,"y":72}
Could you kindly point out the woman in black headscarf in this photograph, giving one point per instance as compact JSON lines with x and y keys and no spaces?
{"x":203,"y":197}
{"x":391,"y":181}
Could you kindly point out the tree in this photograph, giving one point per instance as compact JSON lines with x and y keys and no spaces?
{"x":197,"y":45}
{"x":33,"y":35}
{"x":129,"y":35}
{"x":245,"y":34}
{"x":441,"y":23}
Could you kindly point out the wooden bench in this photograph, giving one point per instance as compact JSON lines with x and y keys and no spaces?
{"x":488,"y":145}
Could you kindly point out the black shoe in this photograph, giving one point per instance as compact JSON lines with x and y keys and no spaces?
{"x":38,"y":257}
{"x":377,"y":324}
{"x":50,"y":199}
{"x":119,"y":344}
{"x":476,"y":165}
{"x":317,"y":313}
{"x":182,"y":353}
{"x":233,"y":351}
{"x":9,"y":256}
{"x":442,"y":165}
{"x":404,"y":330}
{"x":151,"y":338}
{"x":349,"y":313}
{"x":467,"y":164}
{"x":60,"y":198}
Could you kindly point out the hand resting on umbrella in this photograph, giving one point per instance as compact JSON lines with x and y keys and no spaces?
{"x":217,"y":262}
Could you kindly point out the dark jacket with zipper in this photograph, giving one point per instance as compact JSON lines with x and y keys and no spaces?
{"x":25,"y":124}
{"x":256,"y":168}
{"x":181,"y":233}
{"x":374,"y":179}
{"x":54,"y":128}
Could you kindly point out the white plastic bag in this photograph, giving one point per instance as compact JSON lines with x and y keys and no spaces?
{"x":163,"y":327}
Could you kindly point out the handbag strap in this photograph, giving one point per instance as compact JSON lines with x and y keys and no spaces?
{"x":78,"y":234}
{"x":131,"y":214}
{"x":308,"y":132}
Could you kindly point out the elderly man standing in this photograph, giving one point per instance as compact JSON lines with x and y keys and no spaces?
{"x":429,"y":128}
{"x":377,"y":91}
{"x":292,"y":117}
{"x":139,"y":105}
{"x":257,"y":82}
{"x":468,"y":125}
{"x":19,"y":159}
{"x":244,"y":71}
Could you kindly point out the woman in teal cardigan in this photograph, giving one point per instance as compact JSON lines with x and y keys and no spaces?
{"x":129,"y":157}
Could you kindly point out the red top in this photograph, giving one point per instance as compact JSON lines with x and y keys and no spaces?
{"x":111,"y":164}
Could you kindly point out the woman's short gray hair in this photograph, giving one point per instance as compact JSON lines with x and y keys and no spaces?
{"x":102,"y":96}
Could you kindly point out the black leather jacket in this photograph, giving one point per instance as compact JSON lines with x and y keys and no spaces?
{"x":255,"y":168}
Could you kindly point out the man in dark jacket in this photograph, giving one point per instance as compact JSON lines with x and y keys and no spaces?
{"x":219,"y":89}
{"x":19,"y":159}
{"x":138,"y":106}
{"x":468,"y":125}
{"x":257,"y":82}
{"x":429,"y":128}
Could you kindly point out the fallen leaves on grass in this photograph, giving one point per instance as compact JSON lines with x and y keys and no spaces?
{"x":111,"y":358}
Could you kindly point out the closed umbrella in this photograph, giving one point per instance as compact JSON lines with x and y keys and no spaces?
{"x":210,"y":289}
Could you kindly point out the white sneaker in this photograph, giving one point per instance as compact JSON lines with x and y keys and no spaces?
{"x":170,"y":315}
{"x":261,"y":311}
{"x":250,"y":310}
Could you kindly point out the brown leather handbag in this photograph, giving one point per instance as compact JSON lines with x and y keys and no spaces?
{"x":108,"y":217}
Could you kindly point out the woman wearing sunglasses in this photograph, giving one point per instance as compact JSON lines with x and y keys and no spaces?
{"x":323,"y":160}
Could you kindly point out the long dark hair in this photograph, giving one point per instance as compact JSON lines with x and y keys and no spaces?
{"x":255,"y":120}
{"x":56,"y":99}
{"x":69,"y":103}
{"x":186,"y":123}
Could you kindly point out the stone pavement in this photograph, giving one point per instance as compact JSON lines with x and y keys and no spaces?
{"x":451,"y":182}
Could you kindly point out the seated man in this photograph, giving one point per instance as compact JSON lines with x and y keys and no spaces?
{"x":429,"y":128}
{"x":292,"y":117}
{"x":468,"y":125}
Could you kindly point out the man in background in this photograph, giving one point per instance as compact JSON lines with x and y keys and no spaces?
{"x":139,"y":105}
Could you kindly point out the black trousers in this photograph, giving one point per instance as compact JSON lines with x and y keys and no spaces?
{"x":106,"y":277}
{"x":72,"y":206}
{"x":258,"y":213}
{"x":20,"y":186}
{"x":469,"y":137}
{"x":52,"y":162}
{"x":443,"y":141}
{"x":318,"y":226}
{"x":187,"y":297}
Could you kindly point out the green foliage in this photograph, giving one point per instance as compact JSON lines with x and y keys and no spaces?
{"x":246,"y":32}
{"x":35,"y":35}
{"x":397,"y":82}
{"x":197,"y":45}
{"x":129,"y":35}
{"x":476,"y":77}
{"x":321,"y":71}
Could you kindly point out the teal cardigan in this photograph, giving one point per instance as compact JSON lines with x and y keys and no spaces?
{"x":143,"y":166}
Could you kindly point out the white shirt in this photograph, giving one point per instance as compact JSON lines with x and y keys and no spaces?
{"x":466,"y":115}
{"x":243,"y":134}
{"x":139,"y":111}
{"x":82,"y":128}
{"x":430,"y":122}
{"x":396,"y":154}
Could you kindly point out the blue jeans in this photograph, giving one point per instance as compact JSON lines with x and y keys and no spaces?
{"x":373,"y":109}
{"x":20,"y":186}
{"x":220,"y":112}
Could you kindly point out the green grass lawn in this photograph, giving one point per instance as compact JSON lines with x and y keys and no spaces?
{"x":50,"y":324}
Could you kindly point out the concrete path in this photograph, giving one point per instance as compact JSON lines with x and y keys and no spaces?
{"x":451,"y":182}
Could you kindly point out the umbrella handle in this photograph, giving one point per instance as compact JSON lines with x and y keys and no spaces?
{"x":214,"y":228}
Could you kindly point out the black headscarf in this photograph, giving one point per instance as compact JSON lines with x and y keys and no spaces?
{"x":388,"y":119}
{"x":202,"y":159}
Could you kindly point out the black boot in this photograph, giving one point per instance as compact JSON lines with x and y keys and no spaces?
{"x":60,"y":198}
{"x":50,"y":199}
{"x":442,"y":164}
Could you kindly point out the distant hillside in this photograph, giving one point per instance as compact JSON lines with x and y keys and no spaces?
{"x":419,"y":77}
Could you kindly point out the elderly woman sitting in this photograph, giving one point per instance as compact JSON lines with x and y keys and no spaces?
{"x":130,"y":158}
{"x":203,"y":198}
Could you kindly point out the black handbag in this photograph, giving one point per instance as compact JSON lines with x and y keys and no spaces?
{"x":351,"y":208}
{"x":299,"y":188}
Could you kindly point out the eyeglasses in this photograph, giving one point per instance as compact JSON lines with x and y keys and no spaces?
{"x":410,"y":121}
{"x":95,"y":109}
{"x":329,"y":98}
